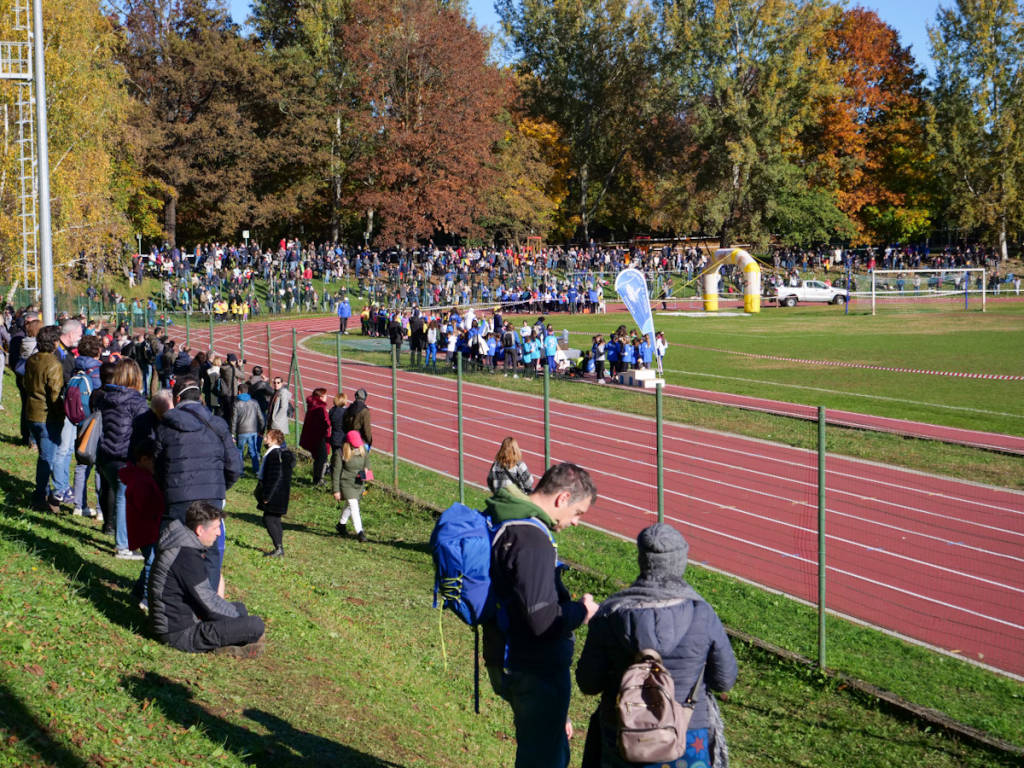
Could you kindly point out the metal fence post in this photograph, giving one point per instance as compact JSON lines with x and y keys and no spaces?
{"x":211,"y":330}
{"x":270,"y":364}
{"x":659,"y":425}
{"x":547,"y":417}
{"x":821,"y":537}
{"x":297,"y":392}
{"x":241,"y":338}
{"x":394,"y":416}
{"x":188,"y":329}
{"x":458,"y":411}
{"x":337,"y":350}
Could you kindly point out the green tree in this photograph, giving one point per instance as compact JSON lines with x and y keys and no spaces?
{"x":747,"y":80}
{"x":589,"y":66}
{"x":977,"y":124}
{"x":307,"y":43}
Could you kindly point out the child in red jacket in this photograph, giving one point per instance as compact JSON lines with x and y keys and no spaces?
{"x":144,"y":509}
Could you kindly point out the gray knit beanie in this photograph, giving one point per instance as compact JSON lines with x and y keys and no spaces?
{"x":661,"y":551}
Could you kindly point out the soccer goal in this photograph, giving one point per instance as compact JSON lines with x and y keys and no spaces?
{"x":924,"y":289}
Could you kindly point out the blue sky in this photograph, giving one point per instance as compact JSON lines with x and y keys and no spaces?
{"x":908,"y":17}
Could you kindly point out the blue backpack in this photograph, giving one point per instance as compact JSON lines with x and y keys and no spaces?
{"x":461,"y":547}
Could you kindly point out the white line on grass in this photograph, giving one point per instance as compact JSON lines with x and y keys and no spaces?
{"x":852,"y":394}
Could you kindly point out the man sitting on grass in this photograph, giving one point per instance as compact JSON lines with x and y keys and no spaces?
{"x":187,"y":613}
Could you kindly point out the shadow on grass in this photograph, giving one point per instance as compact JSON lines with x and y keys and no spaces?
{"x":257,"y":520}
{"x":283,"y":746}
{"x":98,"y":584}
{"x":16,"y":440}
{"x":19,"y":725}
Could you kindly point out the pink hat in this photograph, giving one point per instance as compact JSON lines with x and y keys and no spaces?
{"x":354,"y":439}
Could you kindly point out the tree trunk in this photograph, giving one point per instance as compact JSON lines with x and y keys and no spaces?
{"x":171,"y":219}
{"x":584,"y":219}
{"x":1003,"y":252}
{"x":336,"y":183}
{"x":369,"y":226}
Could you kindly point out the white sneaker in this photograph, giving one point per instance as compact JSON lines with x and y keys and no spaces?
{"x":77,"y":512}
{"x":127,"y":554}
{"x":99,"y":516}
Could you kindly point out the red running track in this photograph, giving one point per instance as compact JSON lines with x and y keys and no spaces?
{"x":930,"y":558}
{"x":991,"y":441}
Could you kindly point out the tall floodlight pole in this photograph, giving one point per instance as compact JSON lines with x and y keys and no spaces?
{"x":45,"y":246}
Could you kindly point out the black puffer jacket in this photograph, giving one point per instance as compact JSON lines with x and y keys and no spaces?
{"x":180,"y":595}
{"x":196,"y":459}
{"x":121,"y":408}
{"x":337,"y":418}
{"x":274,"y":488}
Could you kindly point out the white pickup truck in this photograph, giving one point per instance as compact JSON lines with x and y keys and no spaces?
{"x":810,"y":290}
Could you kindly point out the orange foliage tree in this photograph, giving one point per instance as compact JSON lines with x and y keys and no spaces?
{"x":869,"y":142}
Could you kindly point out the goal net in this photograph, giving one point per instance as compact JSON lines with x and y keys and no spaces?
{"x":925,"y":289}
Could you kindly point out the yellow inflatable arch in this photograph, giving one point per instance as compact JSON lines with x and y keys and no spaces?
{"x":751,"y":279}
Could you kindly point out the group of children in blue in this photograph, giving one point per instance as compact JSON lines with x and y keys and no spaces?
{"x":487,"y":342}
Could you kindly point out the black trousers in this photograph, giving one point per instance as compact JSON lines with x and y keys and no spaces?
{"x":273,"y":525}
{"x":319,"y":462}
{"x":210,"y":635}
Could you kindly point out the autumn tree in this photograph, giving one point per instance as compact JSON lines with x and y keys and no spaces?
{"x":99,"y":197}
{"x":425,"y":109}
{"x":977,"y":125}
{"x":529,"y":184}
{"x":196,"y":83}
{"x":868,"y":143}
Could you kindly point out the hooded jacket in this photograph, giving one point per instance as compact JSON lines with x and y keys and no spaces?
{"x":196,"y":459}
{"x":121,"y":407}
{"x":246,"y":416}
{"x":180,"y":595}
{"x":524,"y":574}
{"x":669,"y":616}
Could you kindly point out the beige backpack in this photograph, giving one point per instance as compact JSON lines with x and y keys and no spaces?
{"x":651,"y":723}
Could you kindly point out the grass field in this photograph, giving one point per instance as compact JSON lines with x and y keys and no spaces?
{"x":705,"y":352}
{"x":808,"y":333}
{"x":354,"y":673}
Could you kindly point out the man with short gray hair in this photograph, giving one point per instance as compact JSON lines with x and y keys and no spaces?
{"x":66,"y":350}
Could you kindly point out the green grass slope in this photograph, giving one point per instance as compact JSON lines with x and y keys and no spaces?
{"x":354,"y":672}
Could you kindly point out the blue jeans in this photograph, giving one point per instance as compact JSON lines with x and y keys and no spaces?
{"x":147,"y":377}
{"x":62,"y":459}
{"x":141,"y":590}
{"x":215,"y":557}
{"x":249,"y":441}
{"x":47,"y":439}
{"x":81,"y":487}
{"x":114,"y":492}
{"x":540,"y":707}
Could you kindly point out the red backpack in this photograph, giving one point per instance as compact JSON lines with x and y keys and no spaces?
{"x":78,"y":387}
